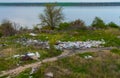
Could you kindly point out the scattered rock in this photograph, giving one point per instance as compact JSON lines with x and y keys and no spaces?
{"x":88,"y":57}
{"x":49,"y":75}
{"x":64,"y":45}
{"x":16,"y":56}
{"x":33,"y":34}
{"x":29,"y":42}
{"x":34,"y":69}
{"x":118,"y":36}
{"x":37,"y":54}
{"x":2,"y":45}
{"x":28,"y":56}
{"x":79,"y":44}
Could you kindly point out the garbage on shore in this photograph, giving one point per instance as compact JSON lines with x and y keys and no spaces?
{"x":28,"y":56}
{"x":64,"y":45}
{"x":28,"y":42}
{"x":33,"y":34}
{"x":79,"y":44}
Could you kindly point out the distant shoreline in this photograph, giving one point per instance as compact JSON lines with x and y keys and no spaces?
{"x":64,"y":4}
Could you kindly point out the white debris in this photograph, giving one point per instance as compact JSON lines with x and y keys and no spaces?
{"x":32,"y":34}
{"x":34,"y":56}
{"x":88,"y":57}
{"x":63,"y":45}
{"x":30,"y":54}
{"x":49,"y":75}
{"x":79,"y":44}
{"x":16,"y":56}
{"x":33,"y":70}
{"x":2,"y":45}
{"x":37,"y":54}
{"x":30,"y":76}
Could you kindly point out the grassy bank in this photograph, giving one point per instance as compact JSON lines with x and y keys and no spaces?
{"x":104,"y":64}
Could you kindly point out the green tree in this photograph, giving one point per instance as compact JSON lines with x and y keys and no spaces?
{"x":98,"y":23}
{"x":112,"y":25}
{"x":52,"y":16}
{"x":7,"y":28}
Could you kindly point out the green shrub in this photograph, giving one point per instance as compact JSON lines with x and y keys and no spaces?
{"x":112,"y":25}
{"x":63,"y":25}
{"x":116,"y":51}
{"x":98,"y":23}
{"x":7,"y":28}
{"x":1,"y":34}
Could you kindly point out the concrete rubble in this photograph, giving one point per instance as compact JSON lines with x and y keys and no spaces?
{"x":28,"y":42}
{"x":88,"y":57}
{"x":34,"y":70}
{"x":79,"y":44}
{"x":2,"y":45}
{"x":49,"y":75}
{"x":64,"y":45}
{"x":34,"y":56}
{"x":33,"y":34}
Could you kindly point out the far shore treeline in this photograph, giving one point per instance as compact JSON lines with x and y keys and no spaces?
{"x":62,"y":4}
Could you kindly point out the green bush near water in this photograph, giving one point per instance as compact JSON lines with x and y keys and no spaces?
{"x":112,"y":25}
{"x":98,"y":23}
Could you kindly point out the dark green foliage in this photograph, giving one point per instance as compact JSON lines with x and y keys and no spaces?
{"x":1,"y":34}
{"x":64,"y":25}
{"x":98,"y":23}
{"x":116,"y":51}
{"x":112,"y":25}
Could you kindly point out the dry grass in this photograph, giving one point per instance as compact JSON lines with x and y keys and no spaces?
{"x":8,"y":52}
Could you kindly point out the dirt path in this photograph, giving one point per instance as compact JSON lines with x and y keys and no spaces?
{"x":66,"y":53}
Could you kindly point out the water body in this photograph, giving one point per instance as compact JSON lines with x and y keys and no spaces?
{"x":29,"y":16}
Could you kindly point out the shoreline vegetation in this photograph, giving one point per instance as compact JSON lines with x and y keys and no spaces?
{"x":94,"y":51}
{"x":62,"y":4}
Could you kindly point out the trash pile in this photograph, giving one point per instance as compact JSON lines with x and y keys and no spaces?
{"x":49,"y":75}
{"x":88,"y":57}
{"x":28,"y":56}
{"x":79,"y":44}
{"x":63,"y":45}
{"x":2,"y":45}
{"x":28,"y":42}
{"x":33,"y":34}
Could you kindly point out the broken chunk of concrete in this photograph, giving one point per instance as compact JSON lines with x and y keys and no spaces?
{"x":88,"y":57}
{"x":33,"y":34}
{"x":49,"y":75}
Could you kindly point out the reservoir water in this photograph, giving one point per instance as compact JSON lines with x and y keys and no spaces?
{"x":29,"y":16}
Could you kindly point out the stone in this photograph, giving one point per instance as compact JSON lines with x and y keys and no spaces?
{"x":49,"y":75}
{"x":88,"y":57}
{"x":118,"y":36}
{"x":32,"y":34}
{"x":37,"y":54}
{"x":79,"y":44}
